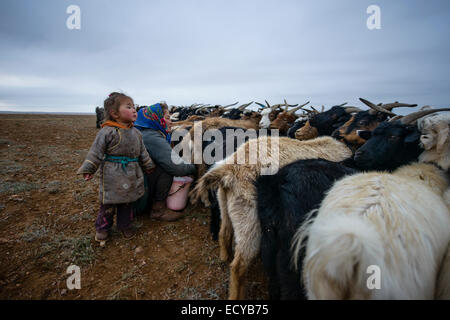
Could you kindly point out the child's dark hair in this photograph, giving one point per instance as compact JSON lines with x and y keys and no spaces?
{"x":113,"y":102}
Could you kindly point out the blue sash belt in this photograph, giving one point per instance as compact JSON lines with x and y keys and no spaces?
{"x":120,"y":159}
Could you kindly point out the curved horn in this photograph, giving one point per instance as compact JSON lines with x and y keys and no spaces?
{"x":397,"y":104}
{"x":395,"y":118}
{"x":244,"y":106}
{"x":230,"y":105}
{"x":304,"y":104}
{"x":274,"y":107}
{"x":352,"y":109}
{"x":268,"y":105}
{"x":287,"y":105}
{"x":341,"y":105}
{"x":292,"y":111}
{"x":309,"y":111}
{"x":290,"y":105}
{"x":419,"y":114}
{"x":376,"y":107}
{"x":260,"y":104}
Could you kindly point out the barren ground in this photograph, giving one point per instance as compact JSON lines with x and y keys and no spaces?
{"x":47,"y":216}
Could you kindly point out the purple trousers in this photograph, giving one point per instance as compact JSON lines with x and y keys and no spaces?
{"x":105,"y":218}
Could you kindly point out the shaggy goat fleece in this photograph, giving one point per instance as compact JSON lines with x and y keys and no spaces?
{"x":237,"y":194}
{"x":397,"y":222}
{"x":435,"y":138}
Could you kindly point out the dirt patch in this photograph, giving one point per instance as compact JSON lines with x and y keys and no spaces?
{"x":47,"y":216}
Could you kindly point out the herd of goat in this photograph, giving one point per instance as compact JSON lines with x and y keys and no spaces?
{"x":355,"y":189}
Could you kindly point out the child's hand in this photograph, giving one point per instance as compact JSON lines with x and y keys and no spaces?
{"x":87,"y":176}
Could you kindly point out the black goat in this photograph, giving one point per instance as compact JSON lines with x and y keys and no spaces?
{"x":328,"y":121}
{"x":184,"y":113}
{"x":214,"y":208}
{"x":100,"y":114}
{"x":233,"y":114}
{"x":297,"y":125}
{"x":389,"y":146}
{"x":281,"y":212}
{"x":365,"y":120}
{"x":392,"y":144}
{"x":285,"y":198}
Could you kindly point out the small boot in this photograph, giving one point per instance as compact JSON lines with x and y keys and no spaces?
{"x":170,"y":215}
{"x":101,"y":236}
{"x":158,"y":209}
{"x":128,"y":233}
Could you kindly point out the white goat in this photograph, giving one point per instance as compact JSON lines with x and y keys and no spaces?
{"x":398,"y":222}
{"x":435,"y":131}
{"x":435,"y":138}
{"x":264,"y":123}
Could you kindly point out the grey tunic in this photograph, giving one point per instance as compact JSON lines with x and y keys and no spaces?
{"x":161,"y":152}
{"x":116,"y":184}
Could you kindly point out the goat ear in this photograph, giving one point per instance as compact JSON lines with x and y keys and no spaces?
{"x":443,"y":131}
{"x":365,"y":134}
{"x":413,"y":136}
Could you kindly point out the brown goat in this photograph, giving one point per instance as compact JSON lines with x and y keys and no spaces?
{"x":283,"y":122}
{"x":306,"y":132}
{"x":285,"y":119}
{"x":237,"y":195}
{"x":214,"y":123}
{"x":252,"y":116}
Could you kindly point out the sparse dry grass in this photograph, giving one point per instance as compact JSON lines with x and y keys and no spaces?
{"x":47,"y":216}
{"x":9,"y":187}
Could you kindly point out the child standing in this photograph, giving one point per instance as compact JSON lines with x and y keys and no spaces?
{"x":119,"y":152}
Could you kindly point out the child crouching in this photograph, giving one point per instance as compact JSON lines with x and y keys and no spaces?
{"x":119,"y":152}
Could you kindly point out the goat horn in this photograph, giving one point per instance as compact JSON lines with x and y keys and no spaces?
{"x":292,"y":111}
{"x":268,"y":105}
{"x":274,"y":107}
{"x":376,"y":107}
{"x":309,"y":111}
{"x":289,"y":105}
{"x":304,"y":104}
{"x":341,"y":105}
{"x":260,"y":104}
{"x":285,"y":106}
{"x":419,"y":114}
{"x":396,"y":118}
{"x":230,"y":105}
{"x":352,"y":109}
{"x":397,"y":104}
{"x":244,"y":106}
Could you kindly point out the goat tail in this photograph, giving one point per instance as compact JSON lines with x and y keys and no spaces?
{"x":210,"y":180}
{"x":340,"y":248}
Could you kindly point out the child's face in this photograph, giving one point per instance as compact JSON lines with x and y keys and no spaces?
{"x":126,"y":113}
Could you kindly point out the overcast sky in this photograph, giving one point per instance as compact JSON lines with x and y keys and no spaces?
{"x":220,"y":52}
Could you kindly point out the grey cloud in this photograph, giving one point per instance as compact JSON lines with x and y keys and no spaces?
{"x":223,"y":51}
